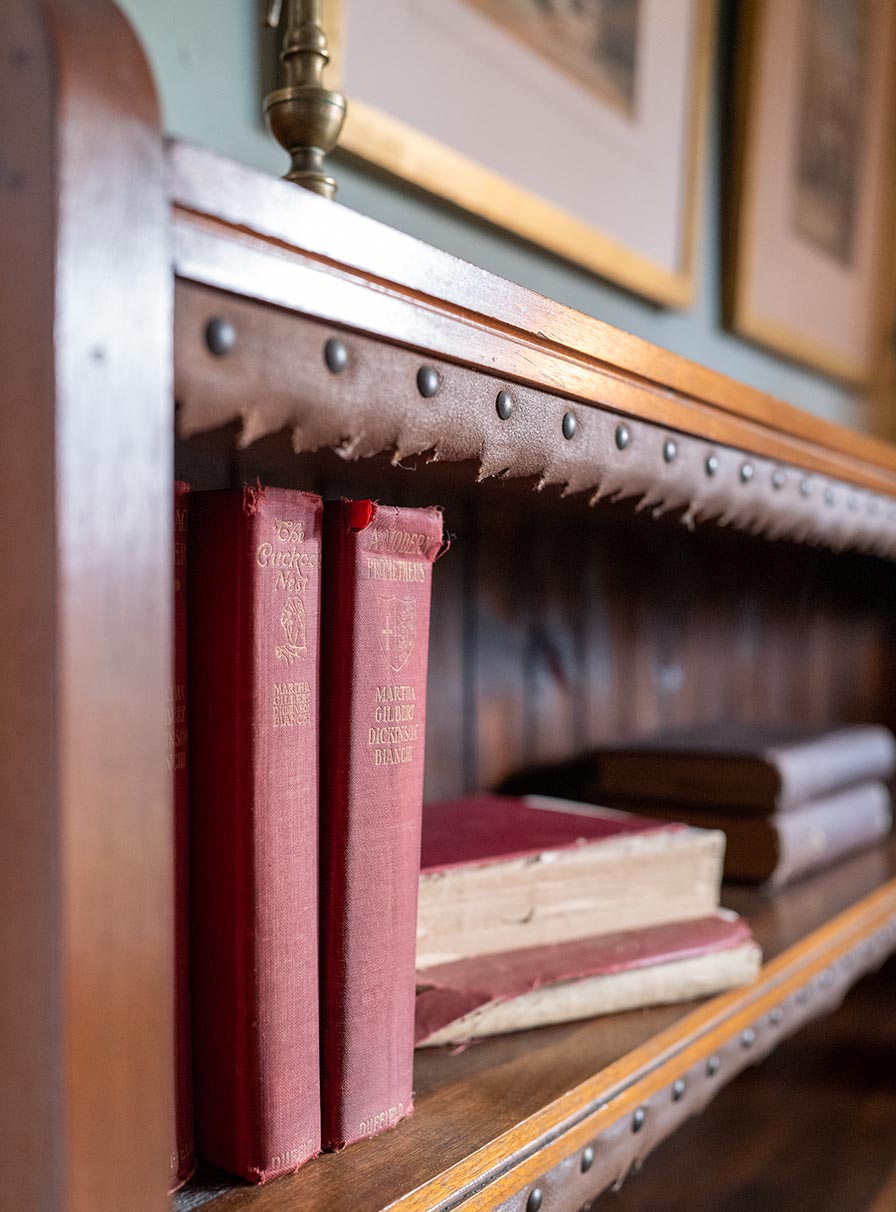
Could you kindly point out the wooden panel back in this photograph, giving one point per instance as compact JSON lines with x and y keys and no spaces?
{"x":557,"y":626}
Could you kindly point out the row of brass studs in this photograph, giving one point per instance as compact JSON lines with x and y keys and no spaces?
{"x":779,"y":477}
{"x":869,"y":947}
{"x":220,"y":337}
{"x":677,"y":1090}
{"x":639,"y":1115}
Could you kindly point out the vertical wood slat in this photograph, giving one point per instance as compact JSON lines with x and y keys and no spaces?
{"x":498,"y":695}
{"x":607,"y":707}
{"x":549,"y":588}
{"x":449,"y":735}
{"x":85,"y":517}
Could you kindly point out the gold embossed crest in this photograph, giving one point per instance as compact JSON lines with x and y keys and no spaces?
{"x":398,"y":630}
{"x":292,"y":620}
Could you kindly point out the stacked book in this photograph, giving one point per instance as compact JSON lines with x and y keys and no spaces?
{"x":535,"y":911}
{"x":789,"y":801}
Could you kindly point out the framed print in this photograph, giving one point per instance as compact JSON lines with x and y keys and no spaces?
{"x":576,"y":124}
{"x":813,"y":180}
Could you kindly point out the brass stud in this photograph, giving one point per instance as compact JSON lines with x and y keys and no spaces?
{"x":678,"y":1089}
{"x":746,"y":473}
{"x":670,"y":450}
{"x":623,"y":436}
{"x":504,"y":405}
{"x":587,"y":1159}
{"x":779,"y":477}
{"x":638,"y":1119}
{"x":569,"y":425}
{"x":711,"y":464}
{"x":336,"y":355}
{"x":747,"y":1037}
{"x":220,"y":336}
{"x":427,"y":381}
{"x":534,"y":1202}
{"x":712,"y":1066}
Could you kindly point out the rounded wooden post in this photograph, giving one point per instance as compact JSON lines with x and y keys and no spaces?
{"x":85,"y":600}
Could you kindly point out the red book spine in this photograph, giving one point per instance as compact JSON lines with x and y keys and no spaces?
{"x":182,"y":1160}
{"x":254,"y":653}
{"x":377,"y":578}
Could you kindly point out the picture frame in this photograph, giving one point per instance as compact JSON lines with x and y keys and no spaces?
{"x":597,"y":157}
{"x":811,"y":199}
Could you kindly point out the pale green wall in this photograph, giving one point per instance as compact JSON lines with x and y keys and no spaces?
{"x":208,"y":56}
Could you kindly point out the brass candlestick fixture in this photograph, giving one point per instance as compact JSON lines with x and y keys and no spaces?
{"x":302,"y":115}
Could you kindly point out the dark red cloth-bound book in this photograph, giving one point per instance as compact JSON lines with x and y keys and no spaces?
{"x":377,"y":577}
{"x":254,"y":654}
{"x":564,"y":982}
{"x":182,"y":1161}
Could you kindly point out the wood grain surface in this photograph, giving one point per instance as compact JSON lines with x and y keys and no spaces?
{"x":85,"y":530}
{"x":490,"y":1120}
{"x":813,"y":1127}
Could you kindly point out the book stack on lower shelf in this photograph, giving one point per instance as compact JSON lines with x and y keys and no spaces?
{"x":539,"y":911}
{"x":789,"y":801}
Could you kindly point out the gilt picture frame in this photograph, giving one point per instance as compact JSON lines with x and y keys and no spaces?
{"x":811,"y":201}
{"x":577,"y":125}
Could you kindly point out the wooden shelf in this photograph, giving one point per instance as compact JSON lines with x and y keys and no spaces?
{"x":500,"y":1117}
{"x":598,"y":413}
{"x":242,"y":231}
{"x":815,"y":1128}
{"x":117,"y":249}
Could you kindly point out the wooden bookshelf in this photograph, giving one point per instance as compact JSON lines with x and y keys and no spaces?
{"x":130,"y":264}
{"x":506,"y":1116}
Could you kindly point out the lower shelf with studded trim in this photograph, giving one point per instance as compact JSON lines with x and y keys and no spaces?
{"x":546,"y":1120}
{"x":814,"y":1128}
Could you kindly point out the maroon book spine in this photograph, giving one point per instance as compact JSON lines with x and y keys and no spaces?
{"x":182,"y":1159}
{"x":377,"y":579}
{"x":254,"y":655}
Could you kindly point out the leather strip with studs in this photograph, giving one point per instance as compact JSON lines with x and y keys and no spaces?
{"x":271,"y":369}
